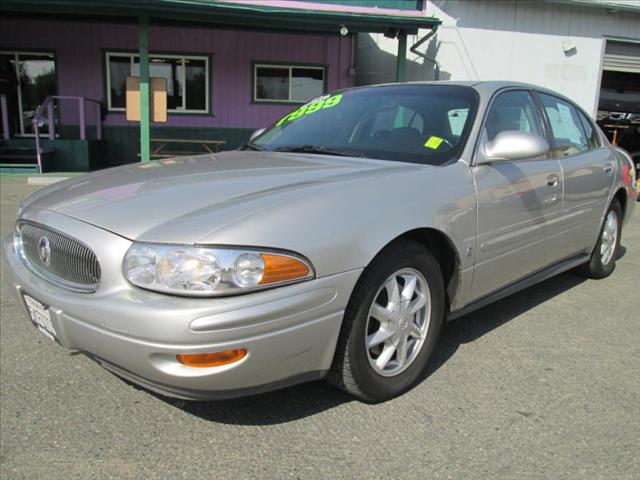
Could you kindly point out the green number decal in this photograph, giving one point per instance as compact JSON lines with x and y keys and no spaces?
{"x":314,"y":107}
{"x":283,"y":119}
{"x":332,"y":101}
{"x":298,"y":113}
{"x":310,"y":108}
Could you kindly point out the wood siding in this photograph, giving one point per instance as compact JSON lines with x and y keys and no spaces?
{"x":80,"y":47}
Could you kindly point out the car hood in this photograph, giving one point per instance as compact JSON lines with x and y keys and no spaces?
{"x":183,"y":200}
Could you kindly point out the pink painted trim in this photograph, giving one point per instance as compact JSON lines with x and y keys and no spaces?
{"x":293,"y":4}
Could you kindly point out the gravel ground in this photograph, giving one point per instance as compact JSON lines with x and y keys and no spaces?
{"x":544,"y":384}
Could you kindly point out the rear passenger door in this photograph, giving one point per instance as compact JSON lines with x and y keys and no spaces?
{"x":588,"y":171}
{"x":516,"y":199}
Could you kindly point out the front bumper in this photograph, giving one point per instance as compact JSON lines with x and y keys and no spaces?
{"x":289,"y":333}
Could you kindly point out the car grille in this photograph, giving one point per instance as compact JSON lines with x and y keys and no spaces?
{"x":59,"y":258}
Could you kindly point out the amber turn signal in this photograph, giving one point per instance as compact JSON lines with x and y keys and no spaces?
{"x":278,"y":268}
{"x":213,"y":359}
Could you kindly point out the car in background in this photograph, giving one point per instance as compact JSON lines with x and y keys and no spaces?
{"x":631,"y":162}
{"x":635,"y":156}
{"x":333,"y":245}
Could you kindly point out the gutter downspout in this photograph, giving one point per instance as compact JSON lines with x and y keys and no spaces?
{"x":401,"y":65}
{"x":414,"y":49}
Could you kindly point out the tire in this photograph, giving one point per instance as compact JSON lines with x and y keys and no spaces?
{"x":601,"y":265}
{"x":356,"y":366}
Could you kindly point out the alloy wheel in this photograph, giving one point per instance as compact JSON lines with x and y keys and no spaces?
{"x":398,"y":322}
{"x":609,"y":238}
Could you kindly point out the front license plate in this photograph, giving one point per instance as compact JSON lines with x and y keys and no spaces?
{"x":40,"y":316}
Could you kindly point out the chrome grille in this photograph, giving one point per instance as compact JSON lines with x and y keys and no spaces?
{"x":69,"y":263}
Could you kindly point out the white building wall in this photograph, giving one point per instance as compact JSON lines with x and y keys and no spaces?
{"x":519,"y":40}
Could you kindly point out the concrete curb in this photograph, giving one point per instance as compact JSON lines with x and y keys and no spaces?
{"x":44,"y":180}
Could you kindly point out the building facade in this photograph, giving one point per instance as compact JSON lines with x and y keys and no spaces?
{"x":219,"y":98}
{"x":229,"y":68}
{"x":589,"y":50}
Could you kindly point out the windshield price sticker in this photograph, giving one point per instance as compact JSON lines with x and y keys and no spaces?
{"x":434,"y":142}
{"x":312,"y":107}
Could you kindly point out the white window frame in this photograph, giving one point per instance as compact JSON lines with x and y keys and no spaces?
{"x":290,"y":67}
{"x":132,"y":55}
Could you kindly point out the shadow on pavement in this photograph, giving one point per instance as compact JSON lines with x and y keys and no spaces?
{"x":301,"y":401}
{"x":475,"y":324}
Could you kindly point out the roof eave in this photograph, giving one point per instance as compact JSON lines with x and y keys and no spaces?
{"x":242,"y":15}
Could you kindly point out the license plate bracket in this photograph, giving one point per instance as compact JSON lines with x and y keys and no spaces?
{"x":40,"y":316}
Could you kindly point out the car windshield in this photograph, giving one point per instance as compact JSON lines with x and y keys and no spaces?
{"x":409,"y":123}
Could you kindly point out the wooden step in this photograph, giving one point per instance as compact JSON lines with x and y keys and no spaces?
{"x":18,"y":167}
{"x":19,"y":156}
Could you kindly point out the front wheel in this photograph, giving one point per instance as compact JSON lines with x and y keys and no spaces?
{"x":391,"y":324}
{"x":604,"y":256}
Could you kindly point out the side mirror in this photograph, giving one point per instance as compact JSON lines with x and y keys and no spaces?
{"x":256,"y":134}
{"x":513,"y":145}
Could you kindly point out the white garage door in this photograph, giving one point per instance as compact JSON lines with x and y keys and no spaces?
{"x":622,"y":57}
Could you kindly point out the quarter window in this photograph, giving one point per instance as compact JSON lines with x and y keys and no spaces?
{"x":568,"y":136}
{"x":590,"y":131}
{"x":287,"y":83}
{"x":187,"y":80}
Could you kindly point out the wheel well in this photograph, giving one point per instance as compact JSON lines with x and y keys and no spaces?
{"x":440,"y":245}
{"x":621,"y":196}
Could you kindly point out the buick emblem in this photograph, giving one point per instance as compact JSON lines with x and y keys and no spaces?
{"x":44,"y":250}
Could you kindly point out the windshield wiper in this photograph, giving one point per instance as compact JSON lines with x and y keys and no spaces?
{"x":314,"y":149}
{"x":250,"y":146}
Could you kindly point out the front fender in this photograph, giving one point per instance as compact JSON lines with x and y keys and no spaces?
{"x":342,"y":226}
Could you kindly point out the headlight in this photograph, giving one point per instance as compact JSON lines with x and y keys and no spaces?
{"x":202,"y":271}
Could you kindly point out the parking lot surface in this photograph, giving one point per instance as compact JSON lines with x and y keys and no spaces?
{"x":544,"y":384}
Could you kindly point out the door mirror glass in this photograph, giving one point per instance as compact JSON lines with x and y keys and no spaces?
{"x":512,"y":145}
{"x":256,"y":134}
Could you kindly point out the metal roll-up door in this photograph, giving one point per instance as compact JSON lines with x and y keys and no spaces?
{"x":622,"y":57}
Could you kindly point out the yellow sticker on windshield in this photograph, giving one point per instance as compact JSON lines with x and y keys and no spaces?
{"x":433,"y":142}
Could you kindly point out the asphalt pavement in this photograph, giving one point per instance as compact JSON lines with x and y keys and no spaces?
{"x":543,"y":385}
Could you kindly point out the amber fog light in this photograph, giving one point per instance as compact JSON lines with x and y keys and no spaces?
{"x":213,"y":359}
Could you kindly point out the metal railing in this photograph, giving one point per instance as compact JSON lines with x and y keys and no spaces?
{"x":5,"y":117}
{"x":48,"y":105}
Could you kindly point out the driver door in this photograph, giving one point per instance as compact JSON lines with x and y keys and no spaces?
{"x":516,"y":200}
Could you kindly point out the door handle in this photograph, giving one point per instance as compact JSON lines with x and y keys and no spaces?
{"x":553,"y":181}
{"x":608,"y":168}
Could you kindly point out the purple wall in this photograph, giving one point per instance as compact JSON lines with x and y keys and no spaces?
{"x":79,"y":48}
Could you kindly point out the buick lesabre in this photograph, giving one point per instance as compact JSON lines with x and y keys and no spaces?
{"x":334,"y":244}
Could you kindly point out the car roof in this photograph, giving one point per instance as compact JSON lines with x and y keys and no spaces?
{"x":486,"y":88}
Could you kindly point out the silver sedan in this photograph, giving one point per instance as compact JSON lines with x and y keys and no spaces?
{"x":334,"y":244}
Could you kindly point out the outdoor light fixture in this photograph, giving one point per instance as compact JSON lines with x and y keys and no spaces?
{"x":569,"y":46}
{"x":343,"y":30}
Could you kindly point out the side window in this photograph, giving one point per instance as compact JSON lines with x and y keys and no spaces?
{"x":512,"y":111}
{"x":457,"y":120}
{"x":568,"y":136}
{"x":590,"y":131}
